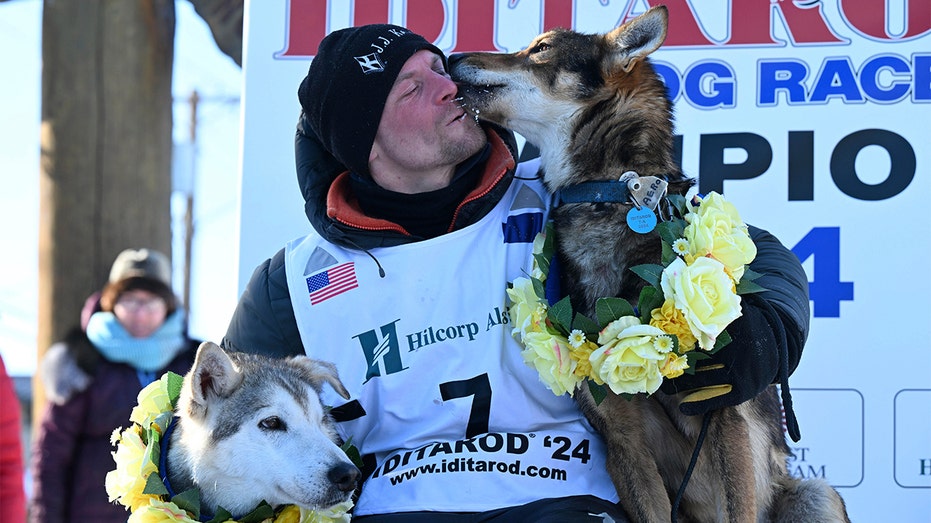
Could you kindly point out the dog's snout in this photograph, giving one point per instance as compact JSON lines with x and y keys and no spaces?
{"x":344,"y":476}
{"x":453,"y":59}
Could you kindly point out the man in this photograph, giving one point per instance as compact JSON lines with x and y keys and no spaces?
{"x":401,"y":285}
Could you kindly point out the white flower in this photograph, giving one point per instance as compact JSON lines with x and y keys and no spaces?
{"x":576,"y":338}
{"x":662,"y":343}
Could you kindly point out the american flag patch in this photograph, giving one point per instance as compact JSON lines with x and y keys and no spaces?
{"x":331,"y":282}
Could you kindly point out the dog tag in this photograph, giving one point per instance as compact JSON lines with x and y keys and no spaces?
{"x":641,"y":219}
{"x":647,"y":190}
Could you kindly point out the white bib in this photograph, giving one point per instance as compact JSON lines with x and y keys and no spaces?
{"x":443,"y":405}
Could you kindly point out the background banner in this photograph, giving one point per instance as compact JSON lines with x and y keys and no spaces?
{"x":812,"y":116}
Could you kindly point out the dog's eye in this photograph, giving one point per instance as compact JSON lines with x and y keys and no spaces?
{"x":540,"y":47}
{"x":272,"y":423}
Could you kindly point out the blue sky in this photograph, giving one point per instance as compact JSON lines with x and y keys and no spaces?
{"x":199,"y":66}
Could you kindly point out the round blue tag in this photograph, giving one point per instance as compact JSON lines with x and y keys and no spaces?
{"x":641,"y":220}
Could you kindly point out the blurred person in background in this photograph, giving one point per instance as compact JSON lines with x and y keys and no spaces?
{"x":12,"y":495}
{"x":128,"y":338}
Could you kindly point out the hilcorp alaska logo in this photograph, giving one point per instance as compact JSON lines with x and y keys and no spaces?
{"x":476,"y":26}
{"x":382,"y":347}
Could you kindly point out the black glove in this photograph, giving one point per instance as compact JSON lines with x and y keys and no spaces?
{"x":737,"y":372}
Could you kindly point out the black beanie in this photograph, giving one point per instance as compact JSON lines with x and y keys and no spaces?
{"x":348,"y":82}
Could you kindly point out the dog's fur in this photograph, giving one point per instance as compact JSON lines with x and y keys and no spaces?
{"x":252,"y":428}
{"x":595,"y":108}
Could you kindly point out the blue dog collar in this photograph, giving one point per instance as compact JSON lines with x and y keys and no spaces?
{"x":613,"y":191}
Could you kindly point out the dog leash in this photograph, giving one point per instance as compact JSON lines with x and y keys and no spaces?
{"x":706,"y":420}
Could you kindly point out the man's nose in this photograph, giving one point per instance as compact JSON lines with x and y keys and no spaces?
{"x":446,"y":89}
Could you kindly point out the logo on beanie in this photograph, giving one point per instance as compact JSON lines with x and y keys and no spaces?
{"x":370,"y":63}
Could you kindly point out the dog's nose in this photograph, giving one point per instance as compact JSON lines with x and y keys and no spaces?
{"x":454,"y":59}
{"x":344,"y":476}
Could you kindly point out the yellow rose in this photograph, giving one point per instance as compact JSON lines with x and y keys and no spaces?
{"x":152,"y":401}
{"x":628,"y":361}
{"x":526,"y":312}
{"x":335,"y":514}
{"x":133,"y":466}
{"x":715,"y":229}
{"x":670,"y":320}
{"x":673,"y":366}
{"x":551,"y":357}
{"x":581,"y":355}
{"x":159,"y":512}
{"x":290,"y":514}
{"x":705,"y":295}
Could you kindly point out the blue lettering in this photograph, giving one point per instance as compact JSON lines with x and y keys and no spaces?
{"x":870,"y":79}
{"x":670,"y":77}
{"x":776,"y":76}
{"x":703,"y":89}
{"x":836,"y":79}
{"x":922,"y":67}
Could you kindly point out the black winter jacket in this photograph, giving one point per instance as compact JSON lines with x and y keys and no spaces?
{"x":264,"y":322}
{"x":72,"y":451}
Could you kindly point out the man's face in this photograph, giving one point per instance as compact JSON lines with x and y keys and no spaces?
{"x":424,"y":133}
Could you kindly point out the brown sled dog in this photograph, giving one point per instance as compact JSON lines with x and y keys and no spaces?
{"x":595,"y":108}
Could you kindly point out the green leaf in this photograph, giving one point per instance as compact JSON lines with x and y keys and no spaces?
{"x":543,"y":262}
{"x":748,"y":287}
{"x":538,"y":288}
{"x":352,"y":452}
{"x":723,"y":339}
{"x":175,"y":381}
{"x":650,"y":298}
{"x":599,"y":392}
{"x":652,"y":273}
{"x":221,"y":516}
{"x":188,"y":500}
{"x":153,"y":447}
{"x":694,"y":357}
{"x":678,"y":203}
{"x":261,"y":513}
{"x":585,"y":324}
{"x":750,"y":274}
{"x":668,"y":255}
{"x":154,"y":485}
{"x":560,"y":315}
{"x":671,"y":231}
{"x":610,"y":309}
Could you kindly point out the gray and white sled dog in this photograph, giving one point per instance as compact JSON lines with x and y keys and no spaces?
{"x":252,"y":428}
{"x":595,"y":107}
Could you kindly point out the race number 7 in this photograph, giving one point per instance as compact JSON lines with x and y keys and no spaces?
{"x":480,"y":388}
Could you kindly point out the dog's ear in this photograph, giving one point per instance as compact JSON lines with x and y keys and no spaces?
{"x":214,"y":375}
{"x":639,"y":37}
{"x":319,"y":372}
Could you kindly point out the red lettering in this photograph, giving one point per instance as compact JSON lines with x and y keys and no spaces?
{"x":557,"y":13}
{"x":370,"y":12}
{"x":683,"y":25}
{"x":475,"y":26}
{"x":306,"y":23}
{"x":870,"y":18}
{"x":426,"y":18}
{"x":752,"y":22}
